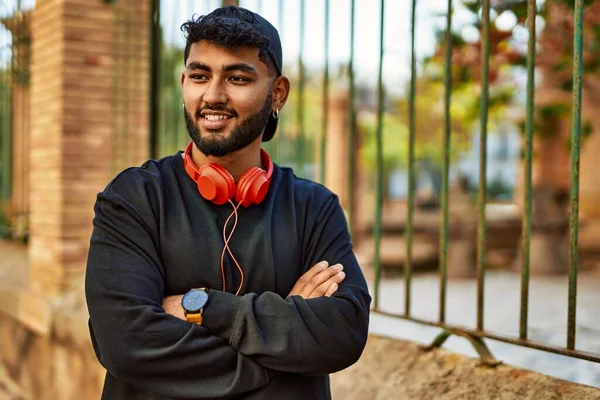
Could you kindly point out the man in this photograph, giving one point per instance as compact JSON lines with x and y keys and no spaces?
{"x":214,"y":273}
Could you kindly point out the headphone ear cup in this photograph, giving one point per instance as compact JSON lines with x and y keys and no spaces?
{"x":252,"y":187}
{"x":215,"y":183}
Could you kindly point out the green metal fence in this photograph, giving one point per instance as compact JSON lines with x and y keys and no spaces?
{"x":476,"y":335}
{"x":296,"y":145}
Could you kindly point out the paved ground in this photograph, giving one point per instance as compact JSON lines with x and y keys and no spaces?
{"x":547,"y":318}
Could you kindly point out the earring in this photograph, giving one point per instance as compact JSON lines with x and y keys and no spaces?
{"x":276,"y":114}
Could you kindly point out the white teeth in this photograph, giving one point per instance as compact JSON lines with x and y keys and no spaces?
{"x":212,"y":117}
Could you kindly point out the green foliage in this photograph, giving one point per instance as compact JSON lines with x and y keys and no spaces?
{"x":554,"y":111}
{"x":555,"y":57}
{"x":395,"y":139}
{"x":498,"y":188}
{"x":172,"y":135}
{"x":429,"y":126}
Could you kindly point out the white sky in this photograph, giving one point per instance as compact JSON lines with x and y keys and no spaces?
{"x":430,"y":14}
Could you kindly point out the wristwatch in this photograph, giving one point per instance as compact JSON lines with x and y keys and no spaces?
{"x":193,"y":303}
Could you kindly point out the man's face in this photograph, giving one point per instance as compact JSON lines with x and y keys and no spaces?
{"x":227,"y":94}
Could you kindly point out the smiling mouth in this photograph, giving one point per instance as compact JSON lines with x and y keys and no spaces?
{"x":212,"y":121}
{"x":215,"y":117}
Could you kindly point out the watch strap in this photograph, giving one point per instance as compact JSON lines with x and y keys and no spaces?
{"x":194,"y":318}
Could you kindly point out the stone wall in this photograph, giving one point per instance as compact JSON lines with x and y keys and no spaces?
{"x":60,"y":365}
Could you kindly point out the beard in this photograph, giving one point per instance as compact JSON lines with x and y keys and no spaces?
{"x":215,"y":143}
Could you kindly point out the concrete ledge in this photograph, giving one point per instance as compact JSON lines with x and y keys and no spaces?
{"x":395,"y":369}
{"x":33,"y":310}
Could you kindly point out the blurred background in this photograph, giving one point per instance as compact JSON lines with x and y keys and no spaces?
{"x":393,"y":109}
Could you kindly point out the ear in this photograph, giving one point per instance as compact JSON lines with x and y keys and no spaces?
{"x":281,"y":91}
{"x":182,"y":78}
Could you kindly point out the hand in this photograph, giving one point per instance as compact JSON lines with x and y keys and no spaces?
{"x":320,"y":280}
{"x":172,"y":305}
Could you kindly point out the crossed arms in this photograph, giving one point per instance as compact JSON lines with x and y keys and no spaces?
{"x":321,"y":280}
{"x":244,"y":340}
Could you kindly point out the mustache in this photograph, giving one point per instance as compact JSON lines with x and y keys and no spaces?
{"x":198,"y":112}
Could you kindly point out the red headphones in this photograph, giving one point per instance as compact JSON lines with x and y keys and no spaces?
{"x":216,"y":184}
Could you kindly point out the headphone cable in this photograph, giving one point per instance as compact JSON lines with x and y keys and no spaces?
{"x":226,"y":240}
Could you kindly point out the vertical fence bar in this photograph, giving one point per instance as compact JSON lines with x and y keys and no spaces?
{"x":175,"y":90}
{"x":6,"y":126}
{"x":485,"y":61}
{"x":300,"y":105}
{"x":163,"y":122}
{"x":155,"y":67}
{"x":379,"y":141}
{"x":411,"y":163}
{"x":20,"y":49}
{"x":122,"y":75}
{"x":13,"y":97}
{"x":325,"y":98}
{"x":351,"y":123}
{"x":281,"y":133}
{"x":575,"y":149}
{"x":526,"y":244}
{"x":143,"y":81}
{"x":446,"y":168}
{"x":128,"y":53}
{"x":114,"y":95}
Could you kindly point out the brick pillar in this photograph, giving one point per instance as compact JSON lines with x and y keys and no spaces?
{"x":78,"y":110}
{"x":336,"y":156}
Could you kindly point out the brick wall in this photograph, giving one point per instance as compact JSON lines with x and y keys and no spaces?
{"x":89,"y":109}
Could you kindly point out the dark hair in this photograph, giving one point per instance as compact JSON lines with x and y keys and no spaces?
{"x":228,"y":27}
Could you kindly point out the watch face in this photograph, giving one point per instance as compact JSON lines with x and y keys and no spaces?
{"x":194,"y":300}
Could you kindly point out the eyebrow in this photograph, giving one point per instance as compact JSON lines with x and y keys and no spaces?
{"x":228,"y":68}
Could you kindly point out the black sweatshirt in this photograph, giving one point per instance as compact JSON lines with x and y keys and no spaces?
{"x":155,"y":236}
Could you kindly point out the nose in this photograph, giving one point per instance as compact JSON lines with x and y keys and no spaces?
{"x":215,"y":93}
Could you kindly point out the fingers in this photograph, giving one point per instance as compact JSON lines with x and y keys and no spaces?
{"x":328,"y":287}
{"x":333,"y":272}
{"x":307,"y":276}
{"x":320,"y":280}
{"x":332,"y":289}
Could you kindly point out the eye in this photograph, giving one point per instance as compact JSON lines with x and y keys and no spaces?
{"x":239,"y":79}
{"x":198,"y":77}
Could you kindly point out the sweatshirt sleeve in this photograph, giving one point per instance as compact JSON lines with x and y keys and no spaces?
{"x":314,"y":336}
{"x":134,"y":339}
